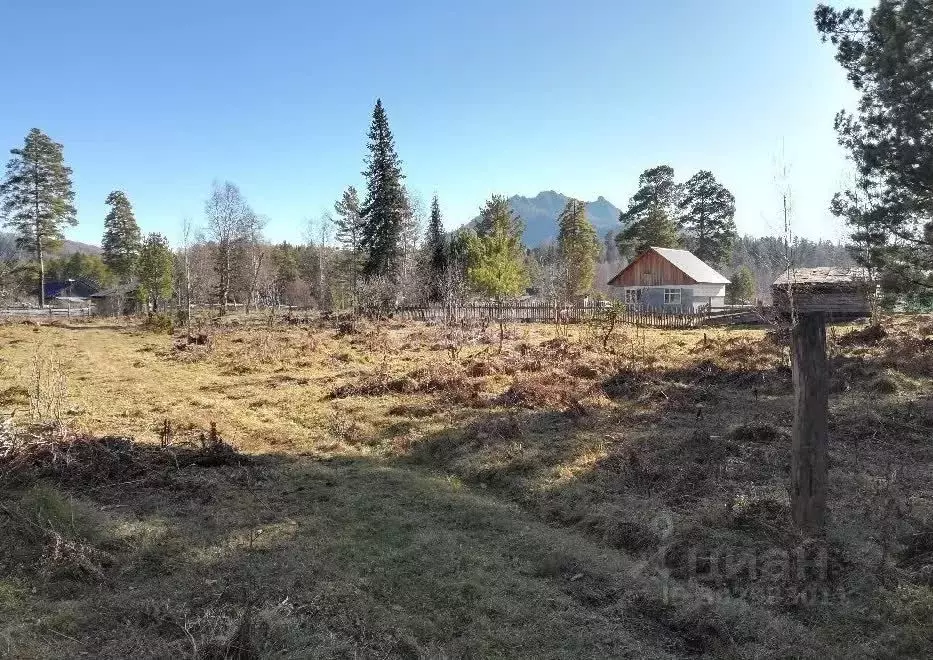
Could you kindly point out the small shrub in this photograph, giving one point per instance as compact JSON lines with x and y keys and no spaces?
{"x":161,"y":324}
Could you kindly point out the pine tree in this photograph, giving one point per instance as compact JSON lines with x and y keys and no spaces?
{"x":496,"y":209}
{"x":349,"y":226}
{"x":496,"y":259}
{"x":889,"y":207}
{"x":122,"y":239}
{"x":436,"y":248}
{"x":655,"y":229}
{"x":647,"y":222}
{"x":579,"y":249}
{"x":708,"y":217}
{"x":156,"y":270}
{"x":37,"y":198}
{"x":656,"y":189}
{"x":383,"y":211}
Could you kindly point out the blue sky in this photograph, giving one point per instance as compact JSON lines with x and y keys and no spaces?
{"x":511,"y":96}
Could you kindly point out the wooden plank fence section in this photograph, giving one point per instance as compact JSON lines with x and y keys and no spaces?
{"x":550,"y":313}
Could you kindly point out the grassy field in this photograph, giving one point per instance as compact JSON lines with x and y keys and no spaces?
{"x":405,"y":490}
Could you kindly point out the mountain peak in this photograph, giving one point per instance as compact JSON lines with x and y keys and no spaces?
{"x":540,"y":214}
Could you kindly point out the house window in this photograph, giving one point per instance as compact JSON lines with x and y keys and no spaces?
{"x":671,"y":296}
{"x":632,"y":296}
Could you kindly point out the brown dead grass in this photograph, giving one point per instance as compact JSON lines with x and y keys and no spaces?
{"x":429,"y":453}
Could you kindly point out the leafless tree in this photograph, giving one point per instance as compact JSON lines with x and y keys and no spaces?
{"x":410,"y":273}
{"x":318,"y":234}
{"x":454,"y":289}
{"x":229,"y":219}
{"x":186,"y":257}
{"x":253,"y":251}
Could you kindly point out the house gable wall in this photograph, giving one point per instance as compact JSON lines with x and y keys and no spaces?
{"x":651,"y":269}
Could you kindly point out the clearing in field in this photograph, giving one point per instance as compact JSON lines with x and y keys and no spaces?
{"x":406,"y":490}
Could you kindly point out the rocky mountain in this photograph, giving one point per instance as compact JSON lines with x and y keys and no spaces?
{"x":540,"y":215}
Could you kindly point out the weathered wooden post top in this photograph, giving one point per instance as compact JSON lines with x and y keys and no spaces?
{"x":841,"y":292}
{"x":808,"y":296}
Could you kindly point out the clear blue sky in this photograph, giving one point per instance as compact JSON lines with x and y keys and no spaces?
{"x":160,"y":98}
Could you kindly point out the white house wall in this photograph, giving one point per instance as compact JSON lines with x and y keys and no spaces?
{"x":693,"y":296}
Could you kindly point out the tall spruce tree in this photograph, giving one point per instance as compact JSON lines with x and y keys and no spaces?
{"x":37,"y":198}
{"x":648,"y":220}
{"x":348,"y":232}
{"x":889,"y":207}
{"x":384,"y":210}
{"x":122,"y":239}
{"x":707,"y":217}
{"x":578,"y":244}
{"x":436,"y":248}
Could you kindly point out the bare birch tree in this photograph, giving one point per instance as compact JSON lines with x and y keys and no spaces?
{"x":229,"y":219}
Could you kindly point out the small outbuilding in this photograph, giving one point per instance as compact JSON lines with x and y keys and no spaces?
{"x":668,"y":279}
{"x":75,"y":288}
{"x":838,"y":291}
{"x":117,"y":301}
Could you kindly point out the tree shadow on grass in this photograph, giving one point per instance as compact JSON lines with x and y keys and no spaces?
{"x":330,"y":558}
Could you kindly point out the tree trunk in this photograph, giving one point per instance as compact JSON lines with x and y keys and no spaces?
{"x":40,"y":257}
{"x":254,"y":281}
{"x":224,"y":279}
{"x":811,"y":393}
{"x":187,"y":293}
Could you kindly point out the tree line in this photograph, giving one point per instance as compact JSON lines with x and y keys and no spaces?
{"x":382,"y":244}
{"x":379,"y":248}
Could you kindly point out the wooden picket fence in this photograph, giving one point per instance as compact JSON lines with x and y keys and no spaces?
{"x":544,"y":312}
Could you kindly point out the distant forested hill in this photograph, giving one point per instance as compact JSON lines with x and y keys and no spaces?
{"x":8,"y":240}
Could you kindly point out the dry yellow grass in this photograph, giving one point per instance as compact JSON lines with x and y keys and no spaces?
{"x":419,"y":494}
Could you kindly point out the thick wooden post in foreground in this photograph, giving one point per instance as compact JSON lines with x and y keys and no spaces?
{"x":811,"y":394}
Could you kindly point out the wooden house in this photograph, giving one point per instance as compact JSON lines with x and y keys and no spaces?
{"x":838,"y":291}
{"x":668,"y":279}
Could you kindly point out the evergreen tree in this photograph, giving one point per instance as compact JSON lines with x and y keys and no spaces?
{"x":656,"y":189}
{"x":579,"y":249}
{"x":122,"y":239}
{"x":889,"y":208}
{"x":383,"y":211}
{"x":708,"y":217}
{"x":436,"y":248}
{"x":496,"y":209}
{"x":156,"y":270}
{"x":647,"y":222}
{"x":655,"y":229}
{"x":742,"y":287}
{"x":349,"y":226}
{"x":37,"y":198}
{"x":496,"y":259}
{"x":285,"y":270}
{"x":88,"y":267}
